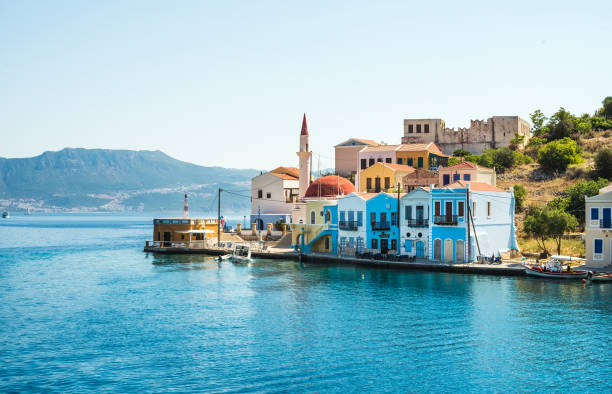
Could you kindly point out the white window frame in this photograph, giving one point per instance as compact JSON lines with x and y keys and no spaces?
{"x":599,"y":256}
{"x":594,"y":222}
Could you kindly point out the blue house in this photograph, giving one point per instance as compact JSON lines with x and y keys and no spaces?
{"x":382,"y":232}
{"x":492,"y":231}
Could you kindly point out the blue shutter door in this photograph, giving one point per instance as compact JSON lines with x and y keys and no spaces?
{"x":598,"y":246}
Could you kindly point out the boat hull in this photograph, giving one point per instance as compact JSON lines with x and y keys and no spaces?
{"x":555,"y":275}
{"x":601,"y":278}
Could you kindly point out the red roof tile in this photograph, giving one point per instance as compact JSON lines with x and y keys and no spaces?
{"x":475,"y":186}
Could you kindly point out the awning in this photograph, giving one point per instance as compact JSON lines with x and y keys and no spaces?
{"x":195,"y":232}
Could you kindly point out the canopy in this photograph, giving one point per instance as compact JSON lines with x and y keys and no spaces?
{"x":195,"y":232}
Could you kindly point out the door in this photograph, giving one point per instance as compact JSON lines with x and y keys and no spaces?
{"x":460,"y":251}
{"x":438,"y":249}
{"x":167,"y":238}
{"x":377,"y":185}
{"x":448,"y":250}
{"x":448,"y":211}
{"x":420,"y":249}
{"x":606,"y":218}
{"x":419,"y":214}
{"x":384,"y":245}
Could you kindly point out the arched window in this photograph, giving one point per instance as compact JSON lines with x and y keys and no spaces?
{"x":312,"y":217}
{"x":327,"y":216}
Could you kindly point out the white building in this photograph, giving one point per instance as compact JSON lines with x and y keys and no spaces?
{"x":414,"y":223}
{"x":351,"y":222}
{"x":273,"y":195}
{"x":598,"y":229}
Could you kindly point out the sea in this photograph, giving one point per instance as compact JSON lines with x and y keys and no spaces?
{"x":83,"y":309}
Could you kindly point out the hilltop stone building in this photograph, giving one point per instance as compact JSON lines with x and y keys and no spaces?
{"x":494,"y":132}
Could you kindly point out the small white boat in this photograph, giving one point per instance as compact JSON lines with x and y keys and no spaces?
{"x":242,"y":253}
{"x":545,"y":272}
{"x":225,"y":256}
{"x":601,"y":277}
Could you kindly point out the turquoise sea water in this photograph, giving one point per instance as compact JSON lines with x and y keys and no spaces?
{"x":82,"y":308}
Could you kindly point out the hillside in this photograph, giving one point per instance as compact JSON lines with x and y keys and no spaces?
{"x":113,"y":180}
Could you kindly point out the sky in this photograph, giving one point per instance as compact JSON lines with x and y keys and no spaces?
{"x":226,"y":83}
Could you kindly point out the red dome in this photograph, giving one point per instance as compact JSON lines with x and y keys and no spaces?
{"x":329,"y":186}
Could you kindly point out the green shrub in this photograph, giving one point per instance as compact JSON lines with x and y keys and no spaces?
{"x":603,"y":163}
{"x":557,"y":155}
{"x":461,"y":153}
{"x":519,"y":197}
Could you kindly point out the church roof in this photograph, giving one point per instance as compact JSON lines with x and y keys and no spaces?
{"x":329,"y":186}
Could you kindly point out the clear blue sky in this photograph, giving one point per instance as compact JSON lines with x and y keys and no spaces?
{"x":226,"y":83}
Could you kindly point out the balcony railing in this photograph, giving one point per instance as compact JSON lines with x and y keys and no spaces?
{"x":381,"y":226}
{"x":605,"y":223}
{"x":418,"y":223}
{"x":446,"y":220}
{"x":350,"y":225}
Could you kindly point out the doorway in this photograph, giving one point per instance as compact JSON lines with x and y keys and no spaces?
{"x":384,"y":245}
{"x":448,"y":250}
{"x":420,"y":249}
{"x":460,"y":251}
{"x":448,"y":213}
{"x":167,"y":239}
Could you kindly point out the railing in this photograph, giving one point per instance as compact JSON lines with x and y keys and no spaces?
{"x":381,"y":226}
{"x":350,"y":225}
{"x":605,"y":223}
{"x":417,"y":222}
{"x":447,"y":220}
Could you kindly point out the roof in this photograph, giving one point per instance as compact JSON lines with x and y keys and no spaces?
{"x":287,"y":173}
{"x":304,"y":126}
{"x":429,"y":147}
{"x":398,"y":167}
{"x":329,"y":186}
{"x":465,"y":165}
{"x":474,"y":186}
{"x":380,"y":148}
{"x":361,"y":141}
{"x":605,"y":196}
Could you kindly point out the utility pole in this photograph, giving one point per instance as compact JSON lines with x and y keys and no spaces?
{"x":219,"y":218}
{"x":399,"y":228}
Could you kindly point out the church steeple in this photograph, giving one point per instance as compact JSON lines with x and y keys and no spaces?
{"x":304,"y":126}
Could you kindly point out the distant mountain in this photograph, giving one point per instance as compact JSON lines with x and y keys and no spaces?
{"x":115,"y":180}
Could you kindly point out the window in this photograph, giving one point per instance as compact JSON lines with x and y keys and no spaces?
{"x":408,"y":246}
{"x":374,"y":243}
{"x":418,"y":128}
{"x":268,"y":195}
{"x":387,"y":182}
{"x":410,"y":162}
{"x":456,"y":177}
{"x":393,"y":218}
{"x":460,"y":208}
{"x":594,"y":214}
{"x":445,"y":179}
{"x":359,"y":218}
{"x":312,"y":217}
{"x":399,"y":160}
{"x":371,"y":162}
{"x":394,"y":244}
{"x":410,"y":128}
{"x":426,"y":128}
{"x":437,"y":208}
{"x":327,"y":216}
{"x":420,"y":159}
{"x":388,"y":160}
{"x":408,"y":213}
{"x":351,"y":216}
{"x":488,"y":208}
{"x":383,"y":217}
{"x":373,"y":217}
{"x":326,"y":243}
{"x":379,"y":160}
{"x":259,"y":193}
{"x":598,"y":246}
{"x":369,"y":184}
{"x":182,"y":236}
{"x":467,"y":177}
{"x":342,"y":216}
{"x":364,"y":164}
{"x":377,"y":185}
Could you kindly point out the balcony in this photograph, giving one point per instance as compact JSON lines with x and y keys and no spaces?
{"x":446,"y":220}
{"x":381,"y":226}
{"x":417,"y":223}
{"x":605,"y":223}
{"x":350,"y":225}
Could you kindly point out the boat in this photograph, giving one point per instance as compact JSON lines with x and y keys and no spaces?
{"x":241,"y":253}
{"x":601,"y":277}
{"x":5,"y":215}
{"x":225,"y":257}
{"x":554,"y":272}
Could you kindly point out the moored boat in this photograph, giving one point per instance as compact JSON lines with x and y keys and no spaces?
{"x":601,"y":277}
{"x":5,"y":215}
{"x":225,"y":256}
{"x":544,"y":272}
{"x":241,"y":253}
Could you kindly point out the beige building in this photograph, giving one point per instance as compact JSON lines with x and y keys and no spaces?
{"x":598,"y":229}
{"x":346,"y":156}
{"x":494,"y":132}
{"x":466,"y":171}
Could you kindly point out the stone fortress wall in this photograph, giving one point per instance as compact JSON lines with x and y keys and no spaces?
{"x":495,"y":132}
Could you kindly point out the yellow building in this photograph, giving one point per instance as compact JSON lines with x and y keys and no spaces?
{"x":420,"y":155}
{"x":193,"y":233}
{"x":382,"y":177}
{"x":317,"y":233}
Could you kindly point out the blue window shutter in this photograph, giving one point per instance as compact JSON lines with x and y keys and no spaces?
{"x":598,"y":246}
{"x":445,"y":179}
{"x":360,"y":218}
{"x":456,"y":177}
{"x":408,"y":245}
{"x":420,"y":160}
{"x":467,"y":177}
{"x":342,"y":213}
{"x":594,"y":214}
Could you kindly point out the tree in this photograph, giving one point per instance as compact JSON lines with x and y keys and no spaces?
{"x":547,"y":222}
{"x":575,"y":196}
{"x":517,"y":141}
{"x":461,"y":153}
{"x":606,"y":110}
{"x":453,"y":160}
{"x":603,"y":163}
{"x":537,"y":119}
{"x":556,"y":156}
{"x":560,"y":125}
{"x":519,"y":197}
{"x":583,"y":124}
